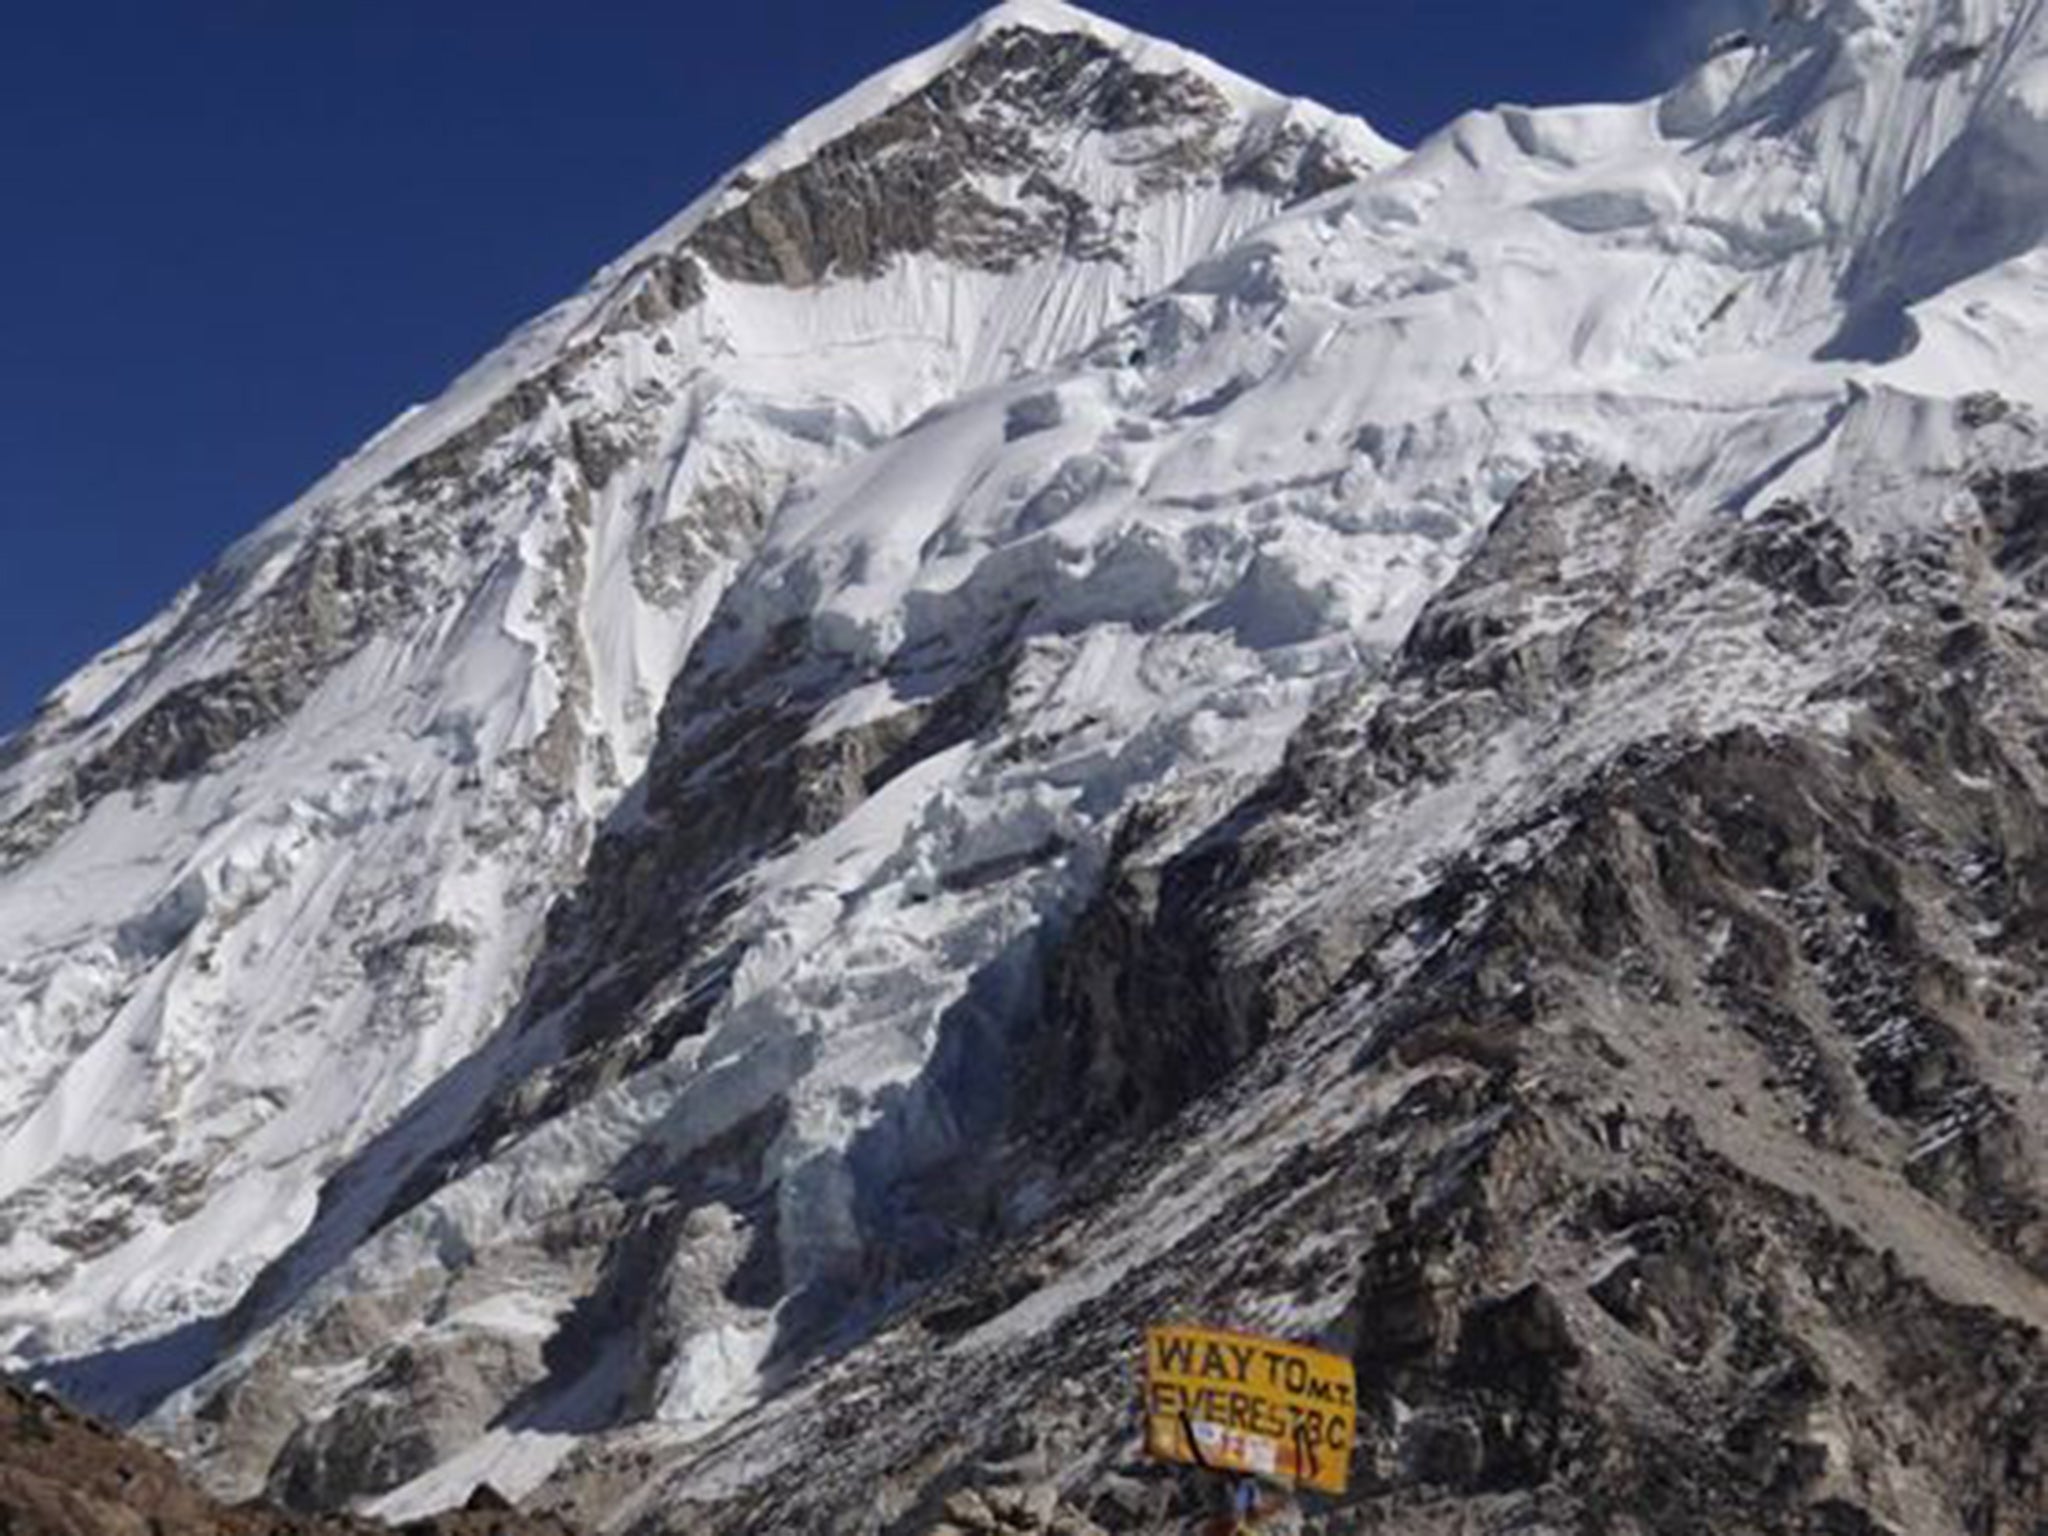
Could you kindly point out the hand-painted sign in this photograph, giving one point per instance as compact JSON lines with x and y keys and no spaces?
{"x":1234,"y":1402}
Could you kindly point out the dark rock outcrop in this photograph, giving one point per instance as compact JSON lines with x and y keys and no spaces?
{"x":63,"y":1474}
{"x":905,"y":181}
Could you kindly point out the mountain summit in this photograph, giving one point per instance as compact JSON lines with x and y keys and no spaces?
{"x":1087,"y":694}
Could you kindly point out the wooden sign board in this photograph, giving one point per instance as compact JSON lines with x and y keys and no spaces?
{"x":1234,"y":1402}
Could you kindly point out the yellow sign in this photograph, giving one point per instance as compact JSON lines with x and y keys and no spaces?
{"x":1234,"y":1402}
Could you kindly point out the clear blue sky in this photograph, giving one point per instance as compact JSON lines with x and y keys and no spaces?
{"x":241,"y":234}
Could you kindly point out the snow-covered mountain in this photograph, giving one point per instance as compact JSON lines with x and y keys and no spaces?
{"x":278,"y":864}
{"x":962,"y":750}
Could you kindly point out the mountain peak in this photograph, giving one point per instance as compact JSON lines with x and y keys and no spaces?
{"x":1081,"y":108}
{"x":1046,"y":16}
{"x":1053,"y":18}
{"x":1147,"y":51}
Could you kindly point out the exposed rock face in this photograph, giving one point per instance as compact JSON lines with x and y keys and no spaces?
{"x":336,"y":596}
{"x":912,"y":179}
{"x":905,"y":181}
{"x":414,"y":1409}
{"x":1742,"y":1362}
{"x":1156,"y":1002}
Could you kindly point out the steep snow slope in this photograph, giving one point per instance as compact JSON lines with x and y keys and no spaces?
{"x":991,"y":655}
{"x":277,"y":865}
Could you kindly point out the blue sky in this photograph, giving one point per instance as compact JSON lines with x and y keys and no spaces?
{"x":242,"y":234}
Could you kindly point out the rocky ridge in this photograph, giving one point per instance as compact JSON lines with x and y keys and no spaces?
{"x":65,"y":1474}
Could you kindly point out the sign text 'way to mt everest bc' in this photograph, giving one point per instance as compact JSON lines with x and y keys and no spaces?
{"x":1235,"y":1402}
